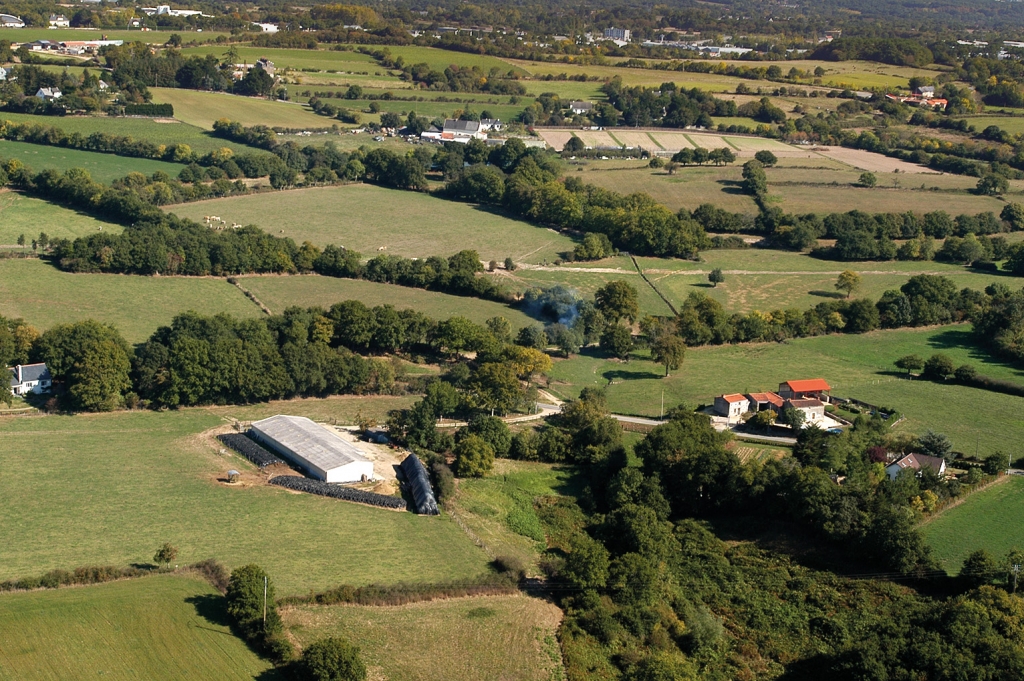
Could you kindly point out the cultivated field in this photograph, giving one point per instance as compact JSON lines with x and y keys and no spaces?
{"x":366,"y":218}
{"x":858,"y":366}
{"x":162,"y":627}
{"x":44,"y":296}
{"x":201,"y":109}
{"x":102,"y":167}
{"x":992,"y":519}
{"x":159,"y":131}
{"x":669,"y":141}
{"x":463,"y":639}
{"x":279,"y":293}
{"x":82,"y":478}
{"x":25,"y":215}
{"x":867,"y":160}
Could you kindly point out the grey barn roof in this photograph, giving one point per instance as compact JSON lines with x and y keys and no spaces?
{"x":25,"y":373}
{"x":462,"y":126}
{"x":311,"y":441}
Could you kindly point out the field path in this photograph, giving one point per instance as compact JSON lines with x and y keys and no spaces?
{"x":652,"y":270}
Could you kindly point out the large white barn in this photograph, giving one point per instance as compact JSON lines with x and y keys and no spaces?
{"x":319,"y":452}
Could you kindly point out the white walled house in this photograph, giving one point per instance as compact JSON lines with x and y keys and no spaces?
{"x":732,"y":406}
{"x":30,"y":379}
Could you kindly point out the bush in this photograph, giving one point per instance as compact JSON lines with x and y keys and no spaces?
{"x":474,"y":458}
{"x":512,"y":567}
{"x":331,"y":659}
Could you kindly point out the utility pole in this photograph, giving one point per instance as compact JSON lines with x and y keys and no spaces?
{"x":1016,"y":571}
{"x":662,"y":404}
{"x":264,"y":602}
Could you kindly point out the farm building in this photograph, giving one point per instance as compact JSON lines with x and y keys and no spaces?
{"x":916,"y":462}
{"x":813,"y":410}
{"x":732,"y":406}
{"x":578,"y":107}
{"x":764,"y":401}
{"x":813,"y":388}
{"x":319,"y":452}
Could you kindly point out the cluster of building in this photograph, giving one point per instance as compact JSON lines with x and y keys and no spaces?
{"x":70,"y":47}
{"x":923,"y":96}
{"x":808,"y":396}
{"x":462,"y":131}
{"x":262,"y":63}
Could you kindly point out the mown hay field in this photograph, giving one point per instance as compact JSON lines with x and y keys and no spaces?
{"x":858,"y":366}
{"x":44,"y":296}
{"x":365,"y":218}
{"x":279,"y":293}
{"x":201,"y":109}
{"x":102,"y":167}
{"x":158,"y":131}
{"x":992,"y":519}
{"x":108,"y":489}
{"x":461,"y":639}
{"x":21,"y":214}
{"x":171,"y":627}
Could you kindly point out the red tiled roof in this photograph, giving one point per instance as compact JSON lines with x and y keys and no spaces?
{"x":809,"y":385}
{"x":766,"y":397}
{"x":734,"y":398}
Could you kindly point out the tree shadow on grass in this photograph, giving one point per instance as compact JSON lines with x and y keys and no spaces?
{"x":212,"y":608}
{"x":962,"y":338}
{"x":628,"y":374}
{"x":836,"y":295}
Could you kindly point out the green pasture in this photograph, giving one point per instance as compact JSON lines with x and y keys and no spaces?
{"x":108,"y":489}
{"x":171,"y":627}
{"x":441,"y":59}
{"x":428,"y":109}
{"x":44,"y":296}
{"x":992,"y":519}
{"x":279,"y":293}
{"x":366,"y":218}
{"x":201,"y":109}
{"x":687,"y":188}
{"x":461,"y":639}
{"x":284,"y":58}
{"x":487,"y":505}
{"x":881,"y":199}
{"x":764,"y":261}
{"x":23,"y":35}
{"x":1011,"y":124}
{"x":342,"y":79}
{"x":344,"y":410}
{"x":21,"y":214}
{"x":164,"y":132}
{"x":102,"y":167}
{"x":586,"y":283}
{"x":857,"y":366}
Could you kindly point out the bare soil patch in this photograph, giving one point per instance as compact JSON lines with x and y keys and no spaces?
{"x":866,"y":160}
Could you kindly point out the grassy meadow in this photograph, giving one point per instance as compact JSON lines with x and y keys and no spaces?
{"x":201,"y":109}
{"x":171,"y":627}
{"x":858,"y":366}
{"x":365,"y":218}
{"x":44,"y":296}
{"x":160,"y":471}
{"x":586,"y":283}
{"x":18,"y":35}
{"x":158,"y":131}
{"x":461,"y":639}
{"x":21,"y":214}
{"x":992,"y":519}
{"x":102,"y":167}
{"x":278,"y":293}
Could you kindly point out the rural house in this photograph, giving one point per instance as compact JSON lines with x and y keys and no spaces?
{"x":455,"y":131}
{"x":491,"y":124}
{"x":3,"y":73}
{"x":48,"y":94}
{"x":916,"y":462}
{"x":732,"y":406}
{"x":581,"y":108}
{"x":764,"y":401}
{"x":814,"y":388}
{"x":813,"y":410}
{"x":30,"y":378}
{"x":59,"y":21}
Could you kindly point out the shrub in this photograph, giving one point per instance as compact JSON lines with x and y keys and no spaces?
{"x":473,"y":457}
{"x":331,"y":659}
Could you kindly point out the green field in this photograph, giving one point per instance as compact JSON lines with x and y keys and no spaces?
{"x":462,"y":639}
{"x":44,"y":296}
{"x":18,"y":35}
{"x":109,"y":489}
{"x":202,"y":109}
{"x":278,"y":293}
{"x":294,"y":59}
{"x":25,"y":215}
{"x":800,"y":185}
{"x":586,"y":283}
{"x":485,"y":504}
{"x":365,"y":218}
{"x":1011,"y":124}
{"x":857,"y":366}
{"x":102,"y":167}
{"x":169,"y":627}
{"x":148,"y":129}
{"x":992,"y":519}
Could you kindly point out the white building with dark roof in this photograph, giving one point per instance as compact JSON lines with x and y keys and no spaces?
{"x":316,"y":450}
{"x":30,"y":378}
{"x":11,"y":21}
